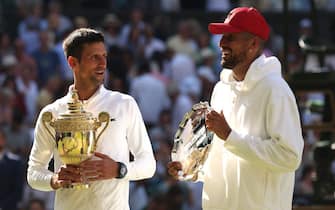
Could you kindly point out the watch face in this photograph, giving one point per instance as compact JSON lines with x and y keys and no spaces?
{"x":123,"y":171}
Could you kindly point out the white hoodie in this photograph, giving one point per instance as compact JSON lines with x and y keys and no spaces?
{"x":254,"y":168}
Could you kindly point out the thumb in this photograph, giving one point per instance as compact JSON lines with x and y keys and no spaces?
{"x":101,"y":155}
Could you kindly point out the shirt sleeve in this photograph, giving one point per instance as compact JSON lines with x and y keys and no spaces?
{"x":282,"y":150}
{"x":38,"y":175}
{"x":144,"y":164}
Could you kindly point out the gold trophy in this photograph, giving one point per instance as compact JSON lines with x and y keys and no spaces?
{"x":75,"y":133}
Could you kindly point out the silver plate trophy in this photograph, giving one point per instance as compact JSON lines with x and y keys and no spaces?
{"x":192,"y":141}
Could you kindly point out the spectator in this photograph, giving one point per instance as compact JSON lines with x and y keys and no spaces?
{"x":111,"y":28}
{"x":80,"y":22}
{"x":152,"y":44}
{"x":181,"y":66}
{"x":27,"y":86}
{"x":29,"y":27}
{"x":136,"y":24}
{"x":206,"y":73}
{"x":189,"y":93}
{"x":150,"y":94}
{"x":18,"y":136}
{"x":48,"y":62}
{"x":12,"y":172}
{"x":23,"y":58}
{"x":218,"y":5}
{"x":183,"y":42}
{"x":36,"y":204}
{"x":58,"y":23}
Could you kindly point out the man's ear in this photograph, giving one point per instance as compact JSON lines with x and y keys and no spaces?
{"x":255,"y":42}
{"x":72,"y":61}
{"x":255,"y":45}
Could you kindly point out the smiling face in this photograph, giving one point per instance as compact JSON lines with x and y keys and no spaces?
{"x":234,"y":48}
{"x":89,"y":70}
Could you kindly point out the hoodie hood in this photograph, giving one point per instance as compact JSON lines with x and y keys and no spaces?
{"x":261,"y":67}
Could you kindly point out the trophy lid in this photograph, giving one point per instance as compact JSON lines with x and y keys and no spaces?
{"x":75,"y":118}
{"x":75,"y":108}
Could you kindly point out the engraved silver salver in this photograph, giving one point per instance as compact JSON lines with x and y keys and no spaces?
{"x":192,"y":141}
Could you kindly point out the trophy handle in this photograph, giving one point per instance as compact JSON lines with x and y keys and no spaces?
{"x":103,"y":117}
{"x":47,"y":118}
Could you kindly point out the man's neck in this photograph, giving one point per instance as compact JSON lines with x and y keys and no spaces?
{"x":85,"y":93}
{"x":240,"y":71}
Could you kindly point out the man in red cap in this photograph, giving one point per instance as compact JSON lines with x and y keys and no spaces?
{"x":258,"y":142}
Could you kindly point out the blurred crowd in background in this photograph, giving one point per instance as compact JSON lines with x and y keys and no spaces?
{"x":167,"y":66}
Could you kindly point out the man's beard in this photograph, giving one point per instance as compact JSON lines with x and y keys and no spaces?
{"x":232,"y":61}
{"x":229,"y":63}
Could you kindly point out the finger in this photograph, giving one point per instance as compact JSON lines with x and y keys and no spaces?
{"x":75,"y":169}
{"x":212,"y":115}
{"x":216,"y":115}
{"x":69,"y":176}
{"x":101,"y":155}
{"x":209,"y":124}
{"x":173,"y":168}
{"x":175,"y":164}
{"x":91,"y":164}
{"x":173,"y":172}
{"x":94,"y":176}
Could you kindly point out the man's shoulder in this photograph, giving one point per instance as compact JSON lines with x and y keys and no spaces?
{"x":275,"y":82}
{"x":117,"y":96}
{"x":60,"y":102}
{"x":277,"y":87}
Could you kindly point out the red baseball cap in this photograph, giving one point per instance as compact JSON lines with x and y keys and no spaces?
{"x":242,"y":19}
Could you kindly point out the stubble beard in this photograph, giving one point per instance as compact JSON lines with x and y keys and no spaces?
{"x":232,"y":61}
{"x":228,"y":63}
{"x":97,"y":82}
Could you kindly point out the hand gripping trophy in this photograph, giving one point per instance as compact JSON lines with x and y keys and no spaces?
{"x":75,"y":133}
{"x":192,"y":142}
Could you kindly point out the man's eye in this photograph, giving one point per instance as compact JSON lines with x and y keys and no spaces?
{"x":97,"y":57}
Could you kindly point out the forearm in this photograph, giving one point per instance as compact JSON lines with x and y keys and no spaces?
{"x":39,"y":178}
{"x":38,"y":175}
{"x":271,"y":153}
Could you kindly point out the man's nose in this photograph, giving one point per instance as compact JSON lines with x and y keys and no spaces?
{"x":102,"y":61}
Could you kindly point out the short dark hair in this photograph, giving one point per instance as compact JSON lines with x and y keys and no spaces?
{"x":74,"y":42}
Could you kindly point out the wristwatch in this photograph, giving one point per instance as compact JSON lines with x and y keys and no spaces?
{"x":122,"y":170}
